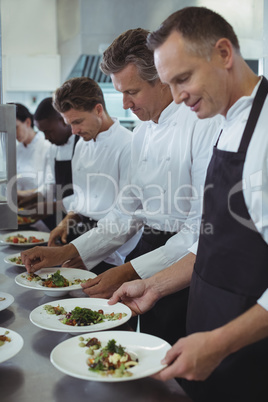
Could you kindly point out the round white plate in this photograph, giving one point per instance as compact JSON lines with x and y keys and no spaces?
{"x":10,"y":349}
{"x":8,"y":258}
{"x":69,"y":273}
{"x":25,"y":233}
{"x":70,"y":358}
{"x":52,"y":322}
{"x":8,"y":300}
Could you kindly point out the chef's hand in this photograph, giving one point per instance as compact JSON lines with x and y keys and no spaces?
{"x":27,"y":198}
{"x":109,"y":281}
{"x":137,"y":295}
{"x":193,"y":358}
{"x":40,"y":257}
{"x":58,"y":234}
{"x":61,"y":231}
{"x":75,"y":262}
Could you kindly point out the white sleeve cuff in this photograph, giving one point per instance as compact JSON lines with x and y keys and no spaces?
{"x":150,"y":263}
{"x":263,"y":300}
{"x":193,"y":248}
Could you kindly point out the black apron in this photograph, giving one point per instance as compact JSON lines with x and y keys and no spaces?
{"x":64,"y":187}
{"x":159,"y":321}
{"x":230,"y":274}
{"x":63,"y":174}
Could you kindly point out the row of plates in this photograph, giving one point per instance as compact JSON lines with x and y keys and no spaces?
{"x":68,"y":356}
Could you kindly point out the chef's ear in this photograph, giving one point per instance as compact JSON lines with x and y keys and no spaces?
{"x":99,"y":109}
{"x":28,"y":122}
{"x":225,"y":52}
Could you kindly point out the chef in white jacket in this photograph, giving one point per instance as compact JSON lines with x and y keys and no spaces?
{"x":99,"y":165}
{"x":32,"y":148}
{"x":168,"y":163}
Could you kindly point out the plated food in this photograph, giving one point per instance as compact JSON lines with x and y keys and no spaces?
{"x":135,"y":355}
{"x":10,"y":344}
{"x":5,"y":300}
{"x":25,"y":238}
{"x":14,"y":259}
{"x":25,"y":220}
{"x":54,"y":281}
{"x":80,"y":315}
{"x":19,"y":238}
{"x":109,"y":359}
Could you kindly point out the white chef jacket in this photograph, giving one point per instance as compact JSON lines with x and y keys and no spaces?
{"x":255,"y":173}
{"x":99,"y":171}
{"x":166,"y":175}
{"x":31,"y":162}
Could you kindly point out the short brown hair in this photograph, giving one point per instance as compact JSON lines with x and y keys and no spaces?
{"x":80,"y":93}
{"x":201,"y":27}
{"x":130,"y":48}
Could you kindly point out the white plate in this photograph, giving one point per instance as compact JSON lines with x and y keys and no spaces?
{"x":25,"y":233}
{"x":10,"y":349}
{"x":69,"y":273}
{"x":7,"y":302}
{"x":70,"y":358}
{"x":7,"y":260}
{"x":52,"y":322}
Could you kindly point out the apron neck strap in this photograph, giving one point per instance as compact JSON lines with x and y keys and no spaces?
{"x":254,"y":115}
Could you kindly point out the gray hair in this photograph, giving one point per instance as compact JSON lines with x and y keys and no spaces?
{"x":130,"y":48}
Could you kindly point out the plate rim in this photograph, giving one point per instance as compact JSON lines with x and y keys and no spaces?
{"x":11,"y":301}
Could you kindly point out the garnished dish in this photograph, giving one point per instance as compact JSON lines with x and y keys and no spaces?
{"x":19,"y":238}
{"x":25,"y":238}
{"x":14,"y":259}
{"x":10,"y":344}
{"x":5,"y":300}
{"x":109,"y":360}
{"x":110,"y":356}
{"x":25,"y":220}
{"x":80,"y":315}
{"x":55,"y":281}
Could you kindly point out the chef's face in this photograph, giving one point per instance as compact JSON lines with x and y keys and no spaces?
{"x":198,"y":82}
{"x":55,"y":130}
{"x":84,"y":123}
{"x":23,"y":130}
{"x":142,"y":98}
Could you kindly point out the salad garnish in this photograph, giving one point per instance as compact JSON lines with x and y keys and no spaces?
{"x":110,"y":360}
{"x":55,"y":280}
{"x":82,"y":316}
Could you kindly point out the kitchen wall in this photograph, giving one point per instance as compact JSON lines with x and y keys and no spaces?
{"x":94,"y":24}
{"x":42,"y":39}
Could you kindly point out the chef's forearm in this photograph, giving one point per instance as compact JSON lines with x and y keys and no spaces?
{"x":174,"y":278}
{"x":248,"y":328}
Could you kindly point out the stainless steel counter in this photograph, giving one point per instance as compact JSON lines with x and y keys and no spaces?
{"x":29,"y":376}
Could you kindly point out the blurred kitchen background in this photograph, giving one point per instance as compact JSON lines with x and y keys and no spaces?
{"x":44,"y":42}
